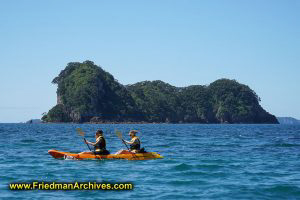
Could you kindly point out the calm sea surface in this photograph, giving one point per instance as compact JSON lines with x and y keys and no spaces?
{"x":201,"y":161}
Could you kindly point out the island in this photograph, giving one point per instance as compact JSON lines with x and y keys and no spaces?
{"x":34,"y":121}
{"x":88,"y":94}
{"x":288,"y":120}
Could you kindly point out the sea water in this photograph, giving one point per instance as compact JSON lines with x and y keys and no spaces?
{"x":200,"y":161}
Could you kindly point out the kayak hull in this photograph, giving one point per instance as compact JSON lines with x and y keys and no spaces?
{"x":90,"y":155}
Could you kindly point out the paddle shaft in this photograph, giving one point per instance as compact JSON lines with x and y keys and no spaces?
{"x":125,"y":144}
{"x":119,"y":134}
{"x":87,"y":144}
{"x":91,"y":150}
{"x":129,"y":149}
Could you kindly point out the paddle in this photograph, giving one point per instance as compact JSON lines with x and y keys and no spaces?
{"x":80,"y":132}
{"x":119,"y":134}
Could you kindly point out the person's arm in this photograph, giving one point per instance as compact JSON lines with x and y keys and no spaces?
{"x":130,"y":142}
{"x":93,"y":143}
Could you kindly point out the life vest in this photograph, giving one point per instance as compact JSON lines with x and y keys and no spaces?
{"x":136,"y":146}
{"x":101,"y":145}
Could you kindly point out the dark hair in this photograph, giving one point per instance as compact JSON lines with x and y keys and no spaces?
{"x":99,"y":131}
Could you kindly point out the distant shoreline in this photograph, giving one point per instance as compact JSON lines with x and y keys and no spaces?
{"x":144,"y":123}
{"x":148,"y":123}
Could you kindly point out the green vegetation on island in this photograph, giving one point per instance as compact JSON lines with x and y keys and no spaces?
{"x":87,"y":93}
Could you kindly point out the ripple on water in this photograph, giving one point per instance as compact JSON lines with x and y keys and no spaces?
{"x":284,"y":189}
{"x":28,"y":141}
{"x":278,"y":191}
{"x":209,"y":166}
{"x":183,"y":167}
{"x":286,"y":145}
{"x":186,"y":182}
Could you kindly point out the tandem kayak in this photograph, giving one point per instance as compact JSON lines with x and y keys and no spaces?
{"x":122,"y":154}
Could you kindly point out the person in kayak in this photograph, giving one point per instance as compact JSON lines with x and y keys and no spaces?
{"x":135,"y":143}
{"x":100,"y":144}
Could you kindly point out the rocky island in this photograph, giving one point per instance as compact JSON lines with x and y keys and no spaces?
{"x":88,"y":94}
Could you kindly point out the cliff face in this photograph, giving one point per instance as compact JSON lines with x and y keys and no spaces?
{"x":87,"y":93}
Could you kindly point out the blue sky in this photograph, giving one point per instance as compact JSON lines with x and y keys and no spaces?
{"x":180,"y":42}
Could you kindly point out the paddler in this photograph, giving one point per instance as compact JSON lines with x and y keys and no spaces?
{"x":135,"y":142}
{"x":100,"y":144}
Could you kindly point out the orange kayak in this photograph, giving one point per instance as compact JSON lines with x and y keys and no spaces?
{"x":123,"y":154}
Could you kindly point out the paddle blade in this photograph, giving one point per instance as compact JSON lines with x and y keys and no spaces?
{"x":80,"y":132}
{"x":119,"y":134}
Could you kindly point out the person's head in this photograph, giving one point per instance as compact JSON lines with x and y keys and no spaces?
{"x":99,"y":133}
{"x":132,"y":133}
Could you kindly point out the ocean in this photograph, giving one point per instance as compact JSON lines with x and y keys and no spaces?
{"x":200,"y":161}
